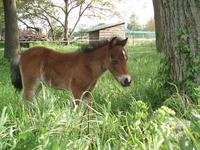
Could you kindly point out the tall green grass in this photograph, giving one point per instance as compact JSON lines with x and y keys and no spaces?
{"x":123,"y":118}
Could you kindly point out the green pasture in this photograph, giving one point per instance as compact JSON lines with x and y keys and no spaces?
{"x":132,"y":118}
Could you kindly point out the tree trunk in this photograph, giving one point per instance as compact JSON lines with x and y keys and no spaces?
{"x":181,"y":38}
{"x":11,"y":30}
{"x":66,"y":21}
{"x":158,"y":25}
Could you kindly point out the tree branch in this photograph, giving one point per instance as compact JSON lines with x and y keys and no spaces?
{"x":53,"y":5}
{"x":35,"y":28}
{"x":73,"y":7}
{"x":50,"y":15}
{"x":80,"y":15}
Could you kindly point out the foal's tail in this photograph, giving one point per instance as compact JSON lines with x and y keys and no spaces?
{"x":15,"y":73}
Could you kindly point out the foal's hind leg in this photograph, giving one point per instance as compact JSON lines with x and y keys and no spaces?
{"x":29,"y":87}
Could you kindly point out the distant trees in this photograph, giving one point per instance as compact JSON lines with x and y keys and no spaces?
{"x":150,"y":25}
{"x":133,"y":23}
{"x":38,"y":13}
{"x":11,"y":30}
{"x":50,"y":13}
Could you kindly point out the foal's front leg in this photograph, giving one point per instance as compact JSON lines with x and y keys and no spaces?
{"x":77,"y":92}
{"x":80,"y":95}
{"x":88,"y":98}
{"x":77,"y":95}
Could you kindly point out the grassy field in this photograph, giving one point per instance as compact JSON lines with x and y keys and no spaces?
{"x":123,"y":118}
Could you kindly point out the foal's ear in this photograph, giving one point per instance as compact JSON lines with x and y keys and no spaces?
{"x":113,"y":42}
{"x":123,"y":42}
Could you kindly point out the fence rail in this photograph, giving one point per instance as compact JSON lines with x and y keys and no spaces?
{"x":133,"y":41}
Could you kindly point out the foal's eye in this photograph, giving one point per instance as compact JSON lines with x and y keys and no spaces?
{"x":114,"y":61}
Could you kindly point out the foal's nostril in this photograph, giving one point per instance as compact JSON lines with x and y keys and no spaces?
{"x":127,"y":82}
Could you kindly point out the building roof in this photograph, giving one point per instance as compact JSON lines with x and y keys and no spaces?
{"x":104,"y":26}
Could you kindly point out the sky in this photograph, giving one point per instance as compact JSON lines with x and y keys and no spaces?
{"x":143,"y":9}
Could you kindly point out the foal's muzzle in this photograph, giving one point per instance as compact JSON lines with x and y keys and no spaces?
{"x":125,"y":80}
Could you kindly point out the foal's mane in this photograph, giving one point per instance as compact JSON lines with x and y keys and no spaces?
{"x":95,"y":45}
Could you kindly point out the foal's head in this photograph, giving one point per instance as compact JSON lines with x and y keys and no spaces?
{"x":117,"y":61}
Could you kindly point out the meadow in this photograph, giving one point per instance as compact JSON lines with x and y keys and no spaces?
{"x":137,"y":117}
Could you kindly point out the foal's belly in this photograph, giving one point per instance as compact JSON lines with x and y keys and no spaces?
{"x":57,"y":82}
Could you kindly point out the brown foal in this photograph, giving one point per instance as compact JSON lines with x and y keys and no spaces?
{"x":76,"y":71}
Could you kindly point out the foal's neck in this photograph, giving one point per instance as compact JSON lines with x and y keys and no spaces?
{"x":97,"y":60}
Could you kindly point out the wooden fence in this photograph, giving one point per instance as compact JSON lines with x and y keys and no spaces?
{"x":132,"y":41}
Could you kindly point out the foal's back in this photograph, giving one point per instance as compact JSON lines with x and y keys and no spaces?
{"x":40,"y":55}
